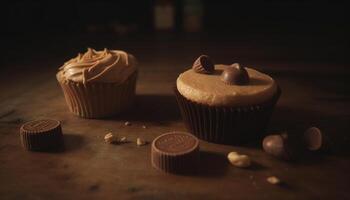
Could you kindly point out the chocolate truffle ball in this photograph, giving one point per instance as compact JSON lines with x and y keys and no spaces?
{"x":235,"y":74}
{"x":283,"y":146}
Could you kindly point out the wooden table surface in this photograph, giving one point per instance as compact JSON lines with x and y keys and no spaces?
{"x":314,"y":93}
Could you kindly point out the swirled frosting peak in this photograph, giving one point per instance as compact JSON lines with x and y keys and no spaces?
{"x":109,"y":66}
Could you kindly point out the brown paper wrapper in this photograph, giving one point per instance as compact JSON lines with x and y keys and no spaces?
{"x":98,"y":100}
{"x":226,"y":125}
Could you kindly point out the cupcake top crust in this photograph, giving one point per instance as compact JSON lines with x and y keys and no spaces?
{"x":107,"y":66}
{"x":226,"y":89}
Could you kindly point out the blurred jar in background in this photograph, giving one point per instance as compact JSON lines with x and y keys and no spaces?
{"x":164,"y":15}
{"x":193,"y":15}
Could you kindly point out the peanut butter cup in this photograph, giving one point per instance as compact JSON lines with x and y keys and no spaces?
{"x":203,"y":65}
{"x":175,"y":152}
{"x":41,"y":135}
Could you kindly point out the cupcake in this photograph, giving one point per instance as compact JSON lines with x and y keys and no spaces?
{"x":227,"y":104}
{"x":99,"y":84}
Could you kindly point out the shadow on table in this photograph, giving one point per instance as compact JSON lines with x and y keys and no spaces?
{"x":153,"y":108}
{"x":212,"y":164}
{"x":72,"y":142}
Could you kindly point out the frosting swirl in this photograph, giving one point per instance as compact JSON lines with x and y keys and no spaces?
{"x":100,"y":66}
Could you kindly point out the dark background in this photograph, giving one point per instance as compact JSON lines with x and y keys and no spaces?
{"x":259,"y":30}
{"x":303,"y":45}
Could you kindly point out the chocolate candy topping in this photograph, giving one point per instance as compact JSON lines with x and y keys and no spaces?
{"x":175,"y":152}
{"x":203,"y":65}
{"x":235,"y":74}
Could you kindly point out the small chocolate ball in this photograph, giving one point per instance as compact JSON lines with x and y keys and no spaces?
{"x":235,"y":75}
{"x":283,"y":146}
{"x":275,"y":146}
{"x":203,"y":65}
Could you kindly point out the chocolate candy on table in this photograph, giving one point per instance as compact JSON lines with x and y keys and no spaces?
{"x":175,"y":152}
{"x":41,"y":135}
{"x":235,"y":74}
{"x":283,"y":146}
{"x":203,"y":65}
{"x":315,"y":139}
{"x":291,"y":146}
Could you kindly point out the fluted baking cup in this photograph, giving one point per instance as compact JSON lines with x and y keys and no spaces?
{"x":98,"y":100}
{"x":226,"y":125}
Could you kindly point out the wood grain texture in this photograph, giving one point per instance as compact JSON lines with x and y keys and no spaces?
{"x":313,"y":94}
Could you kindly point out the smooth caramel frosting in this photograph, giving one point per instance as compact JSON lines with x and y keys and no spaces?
{"x":209,"y":89}
{"x":108,"y":66}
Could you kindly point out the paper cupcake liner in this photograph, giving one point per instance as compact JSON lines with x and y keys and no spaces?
{"x":98,"y":100}
{"x":226,"y":125}
{"x":42,"y":140}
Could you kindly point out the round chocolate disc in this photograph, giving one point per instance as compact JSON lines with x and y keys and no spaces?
{"x":38,"y":126}
{"x":41,"y":135}
{"x":175,"y":152}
